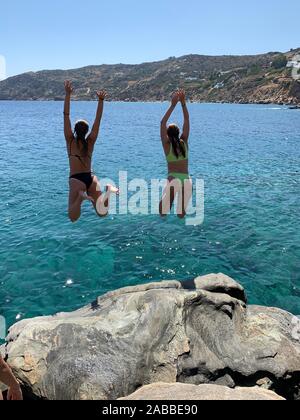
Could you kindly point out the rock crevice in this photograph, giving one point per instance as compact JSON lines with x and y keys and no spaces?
{"x":199,"y":332}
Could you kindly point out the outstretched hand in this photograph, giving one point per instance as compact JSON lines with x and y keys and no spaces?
{"x":182,"y":96}
{"x":102,"y":95}
{"x":175,"y":98}
{"x":68,"y":87}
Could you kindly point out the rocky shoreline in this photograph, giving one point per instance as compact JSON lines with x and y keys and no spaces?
{"x":287,"y":103}
{"x":294,"y":104}
{"x":160,"y":338}
{"x":264,"y":78}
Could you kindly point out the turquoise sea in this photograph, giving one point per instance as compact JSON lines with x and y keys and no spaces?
{"x":248,"y":156}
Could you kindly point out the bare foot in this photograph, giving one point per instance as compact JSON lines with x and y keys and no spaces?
{"x":110,"y":189}
{"x":84,"y":197}
{"x":114,"y":190}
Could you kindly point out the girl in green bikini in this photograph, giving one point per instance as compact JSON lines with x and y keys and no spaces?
{"x":177,"y":154}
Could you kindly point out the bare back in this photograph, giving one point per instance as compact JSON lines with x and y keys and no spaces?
{"x":176,"y":165}
{"x":79,"y":160}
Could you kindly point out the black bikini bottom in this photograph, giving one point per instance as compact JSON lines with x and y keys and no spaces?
{"x":85,"y":177}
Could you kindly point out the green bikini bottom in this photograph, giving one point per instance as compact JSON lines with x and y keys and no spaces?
{"x":180,"y":176}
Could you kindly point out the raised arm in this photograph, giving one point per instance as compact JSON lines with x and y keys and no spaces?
{"x":96,"y":127}
{"x":67,"y":122}
{"x":186,"y":115}
{"x":164,"y":121}
{"x":7,"y":377}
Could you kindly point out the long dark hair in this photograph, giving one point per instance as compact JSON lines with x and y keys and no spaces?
{"x":81,"y":130}
{"x":177,"y":143}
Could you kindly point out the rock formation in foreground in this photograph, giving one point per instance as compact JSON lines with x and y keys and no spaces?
{"x":188,"y":392}
{"x":195,"y":332}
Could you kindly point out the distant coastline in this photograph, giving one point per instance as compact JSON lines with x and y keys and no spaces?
{"x":283,"y":105}
{"x":257,"y":79}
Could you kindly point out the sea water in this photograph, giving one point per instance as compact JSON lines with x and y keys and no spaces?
{"x":247,"y":155}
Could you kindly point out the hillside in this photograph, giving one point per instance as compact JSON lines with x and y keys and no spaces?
{"x":243,"y":79}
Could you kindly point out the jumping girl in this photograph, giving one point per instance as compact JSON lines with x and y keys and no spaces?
{"x":84,"y":185}
{"x":177,"y":154}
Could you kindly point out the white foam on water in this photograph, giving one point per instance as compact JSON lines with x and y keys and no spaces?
{"x":69,"y":282}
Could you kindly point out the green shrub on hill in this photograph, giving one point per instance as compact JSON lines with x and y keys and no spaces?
{"x":280,"y":62}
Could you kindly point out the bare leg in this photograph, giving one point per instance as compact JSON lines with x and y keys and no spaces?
{"x":101,"y":201}
{"x":1,"y":396}
{"x":184,"y":198}
{"x":76,"y":197}
{"x":110,"y":189}
{"x":167,"y":199}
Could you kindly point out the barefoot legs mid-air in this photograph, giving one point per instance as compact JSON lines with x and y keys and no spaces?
{"x":177,"y":153}
{"x":84,"y":185}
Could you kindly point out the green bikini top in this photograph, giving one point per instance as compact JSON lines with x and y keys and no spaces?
{"x":172,"y":157}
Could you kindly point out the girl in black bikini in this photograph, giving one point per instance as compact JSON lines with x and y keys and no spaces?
{"x":80,"y":145}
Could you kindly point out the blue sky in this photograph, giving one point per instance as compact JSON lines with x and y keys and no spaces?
{"x":37,"y":35}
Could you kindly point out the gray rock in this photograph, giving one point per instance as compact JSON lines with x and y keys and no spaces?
{"x":2,"y":350}
{"x":187,"y":392}
{"x":195,"y":332}
{"x":2,"y":354}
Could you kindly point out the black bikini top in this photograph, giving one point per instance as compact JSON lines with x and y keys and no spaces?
{"x":78,"y":156}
